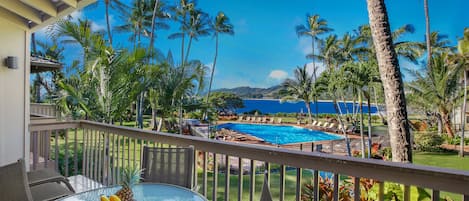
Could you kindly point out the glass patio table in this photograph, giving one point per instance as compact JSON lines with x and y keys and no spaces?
{"x":142,"y":192}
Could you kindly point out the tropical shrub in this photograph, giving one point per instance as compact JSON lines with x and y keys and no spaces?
{"x":428,"y":141}
{"x":456,"y":140}
{"x":326,"y":190}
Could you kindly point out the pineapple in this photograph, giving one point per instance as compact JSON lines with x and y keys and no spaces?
{"x":130,"y":177}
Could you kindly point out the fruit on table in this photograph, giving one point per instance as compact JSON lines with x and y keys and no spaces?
{"x":114,"y":198}
{"x":104,"y":198}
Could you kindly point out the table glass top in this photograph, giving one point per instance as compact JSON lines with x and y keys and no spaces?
{"x":142,"y":192}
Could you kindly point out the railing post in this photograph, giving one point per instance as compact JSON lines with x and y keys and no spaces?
{"x":356,"y":188}
{"x":215,"y":177}
{"x":252,"y":187}
{"x":240,"y":179}
{"x":227,"y":177}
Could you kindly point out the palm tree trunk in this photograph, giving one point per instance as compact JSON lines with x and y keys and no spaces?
{"x":447,"y":124}
{"x":188,"y":51}
{"x":152,"y":34}
{"x":341,"y":123}
{"x":153,"y":117}
{"x":398,"y":126}
{"x":140,"y":110}
{"x":369,"y":125}
{"x":439,"y":120}
{"x":315,"y":79}
{"x":362,"y":135}
{"x":213,"y":68}
{"x":463,"y":116}
{"x":346,"y":105}
{"x":308,"y":107}
{"x":108,"y":24}
{"x":427,"y":33}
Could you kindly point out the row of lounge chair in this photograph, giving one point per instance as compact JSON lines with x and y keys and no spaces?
{"x":333,"y":127}
{"x":225,"y":134}
{"x":255,"y":119}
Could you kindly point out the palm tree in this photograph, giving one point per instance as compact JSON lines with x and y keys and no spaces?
{"x":438,"y":87}
{"x":137,"y":21}
{"x":220,"y":25}
{"x":398,"y":125}
{"x":463,"y":49}
{"x":329,"y":52}
{"x":181,"y":15}
{"x":300,"y":88}
{"x":158,"y":15}
{"x":427,"y":32}
{"x":198,"y":26}
{"x":113,"y":4}
{"x":314,"y":27}
{"x":331,"y":82}
{"x":361,"y":75}
{"x":76,"y":33}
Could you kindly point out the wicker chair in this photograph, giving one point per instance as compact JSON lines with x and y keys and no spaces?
{"x":44,"y":176}
{"x":169,"y":165}
{"x":15,"y":185}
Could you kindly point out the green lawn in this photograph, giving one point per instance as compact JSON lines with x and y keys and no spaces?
{"x":445,"y":160}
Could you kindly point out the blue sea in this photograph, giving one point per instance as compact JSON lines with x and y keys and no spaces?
{"x":274,"y":106}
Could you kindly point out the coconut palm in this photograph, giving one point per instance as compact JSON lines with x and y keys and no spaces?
{"x":427,"y":31}
{"x":314,"y":27}
{"x":463,"y":49}
{"x":113,"y":4}
{"x":220,"y":25}
{"x":198,"y":27}
{"x":76,"y":33}
{"x":438,"y":87}
{"x":181,"y":15}
{"x":398,"y":125}
{"x":361,"y":75}
{"x":332,"y":82}
{"x":137,"y":21}
{"x":299,"y":88}
{"x":329,"y":52}
{"x":159,"y":14}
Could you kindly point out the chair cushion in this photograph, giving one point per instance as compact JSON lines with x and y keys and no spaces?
{"x":49,"y":191}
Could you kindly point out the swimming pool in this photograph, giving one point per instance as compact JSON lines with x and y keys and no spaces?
{"x":277,"y":134}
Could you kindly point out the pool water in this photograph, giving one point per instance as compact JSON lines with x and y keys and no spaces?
{"x":277,"y":134}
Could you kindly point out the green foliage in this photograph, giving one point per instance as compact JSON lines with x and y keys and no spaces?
{"x":70,"y":158}
{"x":326,"y":190}
{"x":428,"y":141}
{"x":225,"y":102}
{"x":455,"y":141}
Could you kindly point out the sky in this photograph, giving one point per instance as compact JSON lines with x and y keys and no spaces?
{"x":265,"y":49}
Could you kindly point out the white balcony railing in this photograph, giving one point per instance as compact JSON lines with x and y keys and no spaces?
{"x":100,"y":151}
{"x":43,"y":110}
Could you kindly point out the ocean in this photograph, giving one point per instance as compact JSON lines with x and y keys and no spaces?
{"x":274,"y":106}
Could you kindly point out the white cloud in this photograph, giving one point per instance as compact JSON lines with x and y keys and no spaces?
{"x":304,"y":45}
{"x":97,"y":27}
{"x":278,"y":74}
{"x":78,"y":14}
{"x":319,"y":68}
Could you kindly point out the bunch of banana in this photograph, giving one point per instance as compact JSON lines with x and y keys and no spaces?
{"x":111,"y":198}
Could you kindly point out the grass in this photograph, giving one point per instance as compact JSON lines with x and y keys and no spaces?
{"x":290,"y":185}
{"x":449,"y":160}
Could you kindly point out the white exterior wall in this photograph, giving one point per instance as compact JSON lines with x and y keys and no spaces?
{"x":14,"y":94}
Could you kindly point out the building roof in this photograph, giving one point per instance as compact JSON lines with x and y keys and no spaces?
{"x":35,"y":14}
{"x":41,"y":64}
